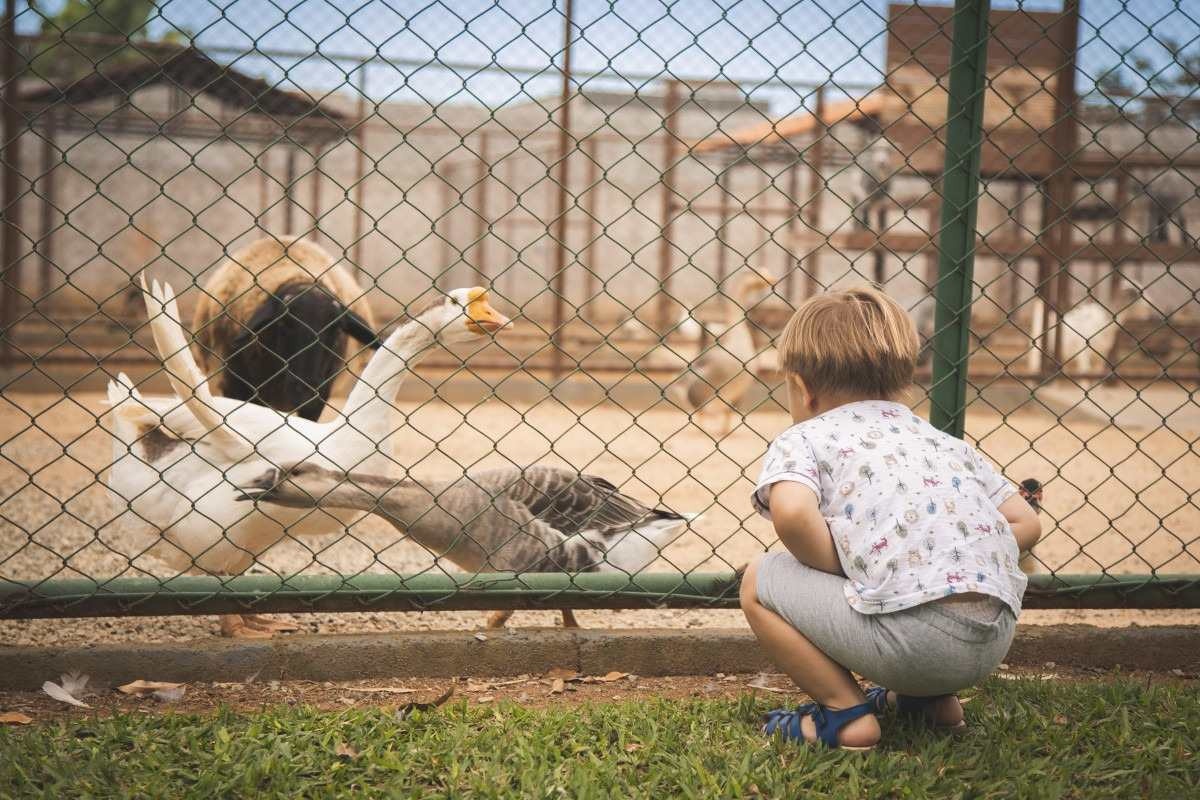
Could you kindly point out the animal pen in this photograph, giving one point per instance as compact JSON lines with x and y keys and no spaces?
{"x":616,"y":176}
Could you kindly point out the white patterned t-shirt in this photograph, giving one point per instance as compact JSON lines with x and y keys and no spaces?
{"x":913,"y":511}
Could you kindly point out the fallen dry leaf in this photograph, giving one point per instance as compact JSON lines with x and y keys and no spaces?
{"x":381,"y":689}
{"x":557,"y":686}
{"x":563,"y":673}
{"x":404,"y":711}
{"x":62,"y":695}
{"x":14,"y":718}
{"x":632,"y":747}
{"x":140,"y":688}
{"x":609,"y":677}
{"x":344,"y":750}
{"x":481,"y":637}
{"x":487,"y":698}
{"x":1060,"y":719}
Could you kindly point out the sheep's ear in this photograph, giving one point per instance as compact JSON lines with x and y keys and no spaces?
{"x":357,"y":328}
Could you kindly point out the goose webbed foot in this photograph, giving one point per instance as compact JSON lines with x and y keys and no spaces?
{"x":497,"y":618}
{"x":253,"y":626}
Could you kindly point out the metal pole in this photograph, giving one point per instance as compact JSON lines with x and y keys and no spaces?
{"x":360,"y":171}
{"x":289,"y":202}
{"x":590,"y":209}
{"x":723,"y":224}
{"x":315,"y":189}
{"x":816,"y":186}
{"x":10,"y":185}
{"x":263,"y":162}
{"x":49,"y":197}
{"x":447,"y":197}
{"x":956,"y":244}
{"x":1060,"y":194}
{"x":791,"y":263}
{"x":877,"y":253}
{"x":482,"y":221}
{"x":670,"y":154}
{"x":208,"y":594}
{"x":560,"y":219}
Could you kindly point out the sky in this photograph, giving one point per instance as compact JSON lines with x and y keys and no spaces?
{"x":777,"y":50}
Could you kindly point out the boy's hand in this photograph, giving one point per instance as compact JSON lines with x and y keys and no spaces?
{"x":801,"y":527}
{"x":1023,"y":520}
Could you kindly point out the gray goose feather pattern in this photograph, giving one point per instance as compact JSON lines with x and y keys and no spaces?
{"x":533,"y":519}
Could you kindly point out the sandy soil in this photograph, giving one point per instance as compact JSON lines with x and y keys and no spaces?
{"x":57,"y":520}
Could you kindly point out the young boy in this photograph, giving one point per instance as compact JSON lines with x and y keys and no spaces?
{"x":902,"y":540}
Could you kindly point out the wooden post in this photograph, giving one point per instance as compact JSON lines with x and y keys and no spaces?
{"x":667,"y":221}
{"x":560,"y":219}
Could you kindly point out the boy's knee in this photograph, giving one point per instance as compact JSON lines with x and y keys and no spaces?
{"x":749,"y":589}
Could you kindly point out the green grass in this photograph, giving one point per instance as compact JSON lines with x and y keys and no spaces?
{"x":1028,"y":739}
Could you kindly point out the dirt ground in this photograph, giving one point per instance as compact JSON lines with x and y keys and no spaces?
{"x":561,"y":687}
{"x":1120,"y":496}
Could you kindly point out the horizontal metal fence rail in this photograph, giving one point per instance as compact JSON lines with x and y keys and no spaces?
{"x":648,"y":194}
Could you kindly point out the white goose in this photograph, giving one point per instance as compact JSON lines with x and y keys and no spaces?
{"x":178,"y":461}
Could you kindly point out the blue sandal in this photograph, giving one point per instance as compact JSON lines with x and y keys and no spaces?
{"x":908,"y":705}
{"x":828,"y":723}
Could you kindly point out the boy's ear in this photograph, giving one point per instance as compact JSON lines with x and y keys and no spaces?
{"x":796,"y":386}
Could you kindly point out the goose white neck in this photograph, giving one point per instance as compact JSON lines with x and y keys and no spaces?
{"x":373,"y":397}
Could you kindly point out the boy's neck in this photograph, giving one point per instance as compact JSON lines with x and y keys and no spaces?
{"x":828,"y":404}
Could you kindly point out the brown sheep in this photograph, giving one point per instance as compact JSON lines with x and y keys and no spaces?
{"x":276,"y":323}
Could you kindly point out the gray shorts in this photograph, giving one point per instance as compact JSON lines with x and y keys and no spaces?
{"x":935,"y":648}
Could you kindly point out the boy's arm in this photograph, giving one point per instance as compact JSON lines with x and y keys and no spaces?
{"x":801,"y":527}
{"x":1023,"y":520}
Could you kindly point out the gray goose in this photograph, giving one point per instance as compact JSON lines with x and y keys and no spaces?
{"x":512,"y":519}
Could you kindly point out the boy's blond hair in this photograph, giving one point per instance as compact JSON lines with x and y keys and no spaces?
{"x":852,"y":343}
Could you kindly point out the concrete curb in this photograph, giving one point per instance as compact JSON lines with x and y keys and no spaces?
{"x":592,"y":652}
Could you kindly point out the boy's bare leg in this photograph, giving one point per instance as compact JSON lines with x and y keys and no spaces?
{"x":823,"y":679}
{"x":947,"y":711}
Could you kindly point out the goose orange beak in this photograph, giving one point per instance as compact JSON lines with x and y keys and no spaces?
{"x":481,"y":317}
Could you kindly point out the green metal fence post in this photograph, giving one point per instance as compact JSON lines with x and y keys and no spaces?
{"x":960,"y":190}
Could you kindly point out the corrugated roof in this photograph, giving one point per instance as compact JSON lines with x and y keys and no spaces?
{"x":188,"y":69}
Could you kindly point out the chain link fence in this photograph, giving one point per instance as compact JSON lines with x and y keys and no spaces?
{"x":646,"y":191}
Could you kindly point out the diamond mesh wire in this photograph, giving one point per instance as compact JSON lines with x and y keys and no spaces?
{"x":647,"y":190}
